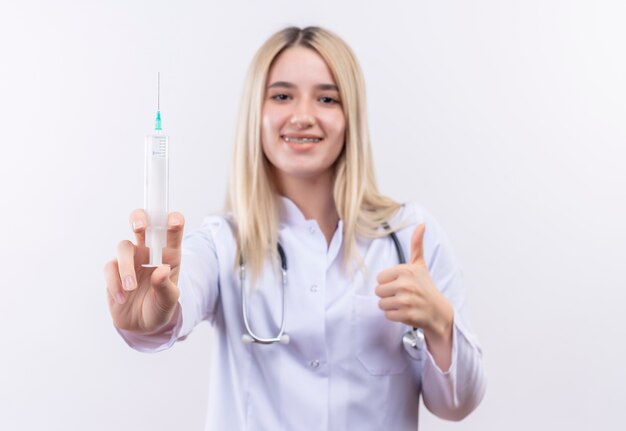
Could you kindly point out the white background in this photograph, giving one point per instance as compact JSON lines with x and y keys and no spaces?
{"x":504,"y":118}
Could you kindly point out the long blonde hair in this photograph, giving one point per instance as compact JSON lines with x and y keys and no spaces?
{"x":252,"y":196}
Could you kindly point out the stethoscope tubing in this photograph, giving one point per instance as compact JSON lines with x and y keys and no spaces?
{"x":250,"y":336}
{"x":413,"y":340}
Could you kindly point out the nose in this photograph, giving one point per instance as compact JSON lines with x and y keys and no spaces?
{"x":302,"y":121}
{"x":301,"y":116}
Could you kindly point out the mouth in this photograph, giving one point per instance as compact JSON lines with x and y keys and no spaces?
{"x":301,"y":139}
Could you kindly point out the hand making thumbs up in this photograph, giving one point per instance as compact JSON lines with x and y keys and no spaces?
{"x":409,"y":295}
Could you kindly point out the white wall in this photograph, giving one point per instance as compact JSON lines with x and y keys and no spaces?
{"x":506,"y":119}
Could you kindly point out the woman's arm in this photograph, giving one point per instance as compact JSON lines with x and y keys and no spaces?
{"x":427,"y":293}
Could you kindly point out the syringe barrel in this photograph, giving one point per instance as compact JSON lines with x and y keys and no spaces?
{"x":156,"y":194}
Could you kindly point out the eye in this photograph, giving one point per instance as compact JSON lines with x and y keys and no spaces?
{"x":328,"y":100}
{"x":281,"y":97}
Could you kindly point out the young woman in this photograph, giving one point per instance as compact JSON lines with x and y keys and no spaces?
{"x":338,"y":297}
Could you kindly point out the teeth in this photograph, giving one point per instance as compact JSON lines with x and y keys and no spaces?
{"x":301,"y":140}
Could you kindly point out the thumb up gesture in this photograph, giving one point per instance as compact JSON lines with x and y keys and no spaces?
{"x":409,"y":295}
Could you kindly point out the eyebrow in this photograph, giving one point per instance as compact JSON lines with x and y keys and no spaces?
{"x":284,"y":84}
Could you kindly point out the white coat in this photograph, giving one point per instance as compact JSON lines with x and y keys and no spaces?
{"x":345,"y":367}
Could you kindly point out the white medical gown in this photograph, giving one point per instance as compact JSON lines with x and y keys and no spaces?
{"x":345,"y":367}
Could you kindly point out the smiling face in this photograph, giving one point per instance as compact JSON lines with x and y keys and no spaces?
{"x":303,"y":125}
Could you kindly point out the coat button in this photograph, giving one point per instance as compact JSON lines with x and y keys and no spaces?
{"x":314,"y":364}
{"x":314,"y":288}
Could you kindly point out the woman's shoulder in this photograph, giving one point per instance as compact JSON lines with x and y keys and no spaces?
{"x":436,"y":242}
{"x":411,"y":214}
{"x":215,"y":227}
{"x":218,"y":221}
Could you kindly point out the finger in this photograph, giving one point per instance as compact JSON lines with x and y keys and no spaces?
{"x":390,"y":274}
{"x":126,"y":265}
{"x":402,"y":300}
{"x":166,"y":292}
{"x":389,"y":303}
{"x":113,"y":284}
{"x":408,"y":280}
{"x":417,"y":244}
{"x":138,"y":223}
{"x":175,"y":228}
{"x":403,"y":283}
{"x":385,"y":290}
{"x":396,"y":315}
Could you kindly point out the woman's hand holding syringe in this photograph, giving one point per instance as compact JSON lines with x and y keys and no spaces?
{"x":144,"y":299}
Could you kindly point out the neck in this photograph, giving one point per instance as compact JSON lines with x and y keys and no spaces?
{"x":314,"y":197}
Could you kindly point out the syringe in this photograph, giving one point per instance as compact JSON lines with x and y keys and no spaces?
{"x":156,"y":187}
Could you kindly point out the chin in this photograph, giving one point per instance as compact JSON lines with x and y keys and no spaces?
{"x":303,"y":173}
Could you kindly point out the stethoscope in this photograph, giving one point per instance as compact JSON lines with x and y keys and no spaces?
{"x":413,"y":339}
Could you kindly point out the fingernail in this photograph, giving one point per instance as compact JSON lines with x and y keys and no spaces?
{"x":137,"y":224}
{"x":119,"y":296}
{"x":175,"y":222}
{"x":129,"y":282}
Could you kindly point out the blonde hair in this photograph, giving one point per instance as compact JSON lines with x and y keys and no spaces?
{"x":252,"y":196}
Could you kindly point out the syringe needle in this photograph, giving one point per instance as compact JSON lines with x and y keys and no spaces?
{"x":157,"y":125}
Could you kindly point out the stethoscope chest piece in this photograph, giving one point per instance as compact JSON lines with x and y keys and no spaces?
{"x":413,"y":341}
